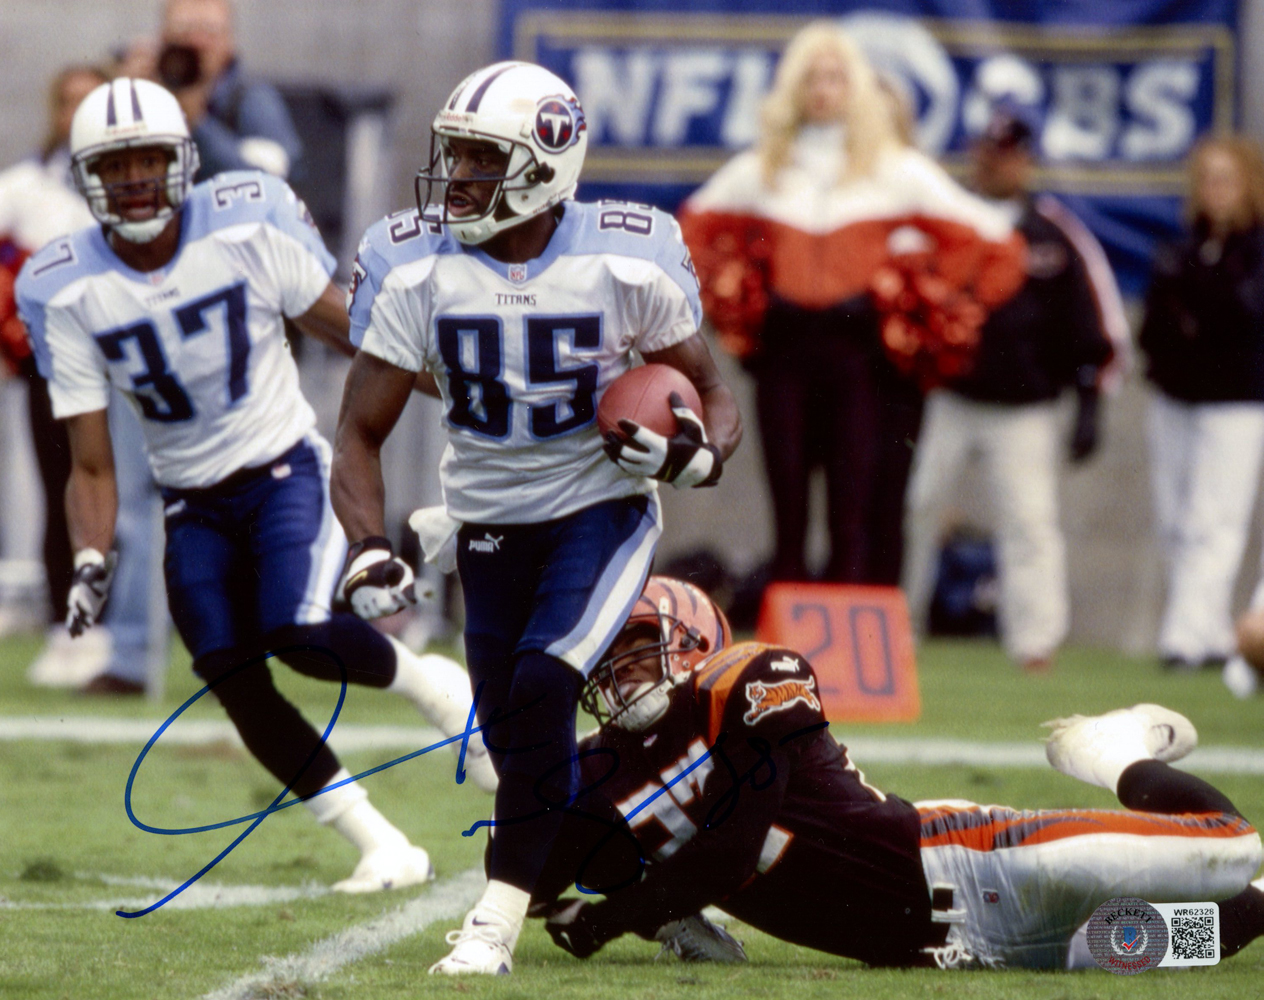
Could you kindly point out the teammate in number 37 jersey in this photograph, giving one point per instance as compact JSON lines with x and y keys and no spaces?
{"x":178,"y":298}
{"x":524,"y":305}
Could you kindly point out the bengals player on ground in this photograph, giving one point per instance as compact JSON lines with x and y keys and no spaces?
{"x":714,"y":770}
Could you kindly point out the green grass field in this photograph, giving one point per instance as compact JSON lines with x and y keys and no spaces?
{"x":70,"y":856}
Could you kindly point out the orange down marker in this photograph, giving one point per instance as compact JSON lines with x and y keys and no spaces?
{"x":859,"y":642}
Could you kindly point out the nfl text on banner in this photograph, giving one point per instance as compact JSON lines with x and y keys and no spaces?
{"x":672,"y":89}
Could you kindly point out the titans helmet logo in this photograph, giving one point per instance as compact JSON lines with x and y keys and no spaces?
{"x":558,"y":124}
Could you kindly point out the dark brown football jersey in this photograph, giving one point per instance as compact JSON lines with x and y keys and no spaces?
{"x":741,"y":798}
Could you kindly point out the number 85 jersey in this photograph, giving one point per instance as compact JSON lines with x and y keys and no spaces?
{"x":523,"y":352}
{"x":199,"y":346}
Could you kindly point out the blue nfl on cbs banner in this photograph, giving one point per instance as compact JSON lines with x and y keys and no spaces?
{"x":1121,"y":90}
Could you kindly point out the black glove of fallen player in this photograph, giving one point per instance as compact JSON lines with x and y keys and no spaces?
{"x":573,"y":930}
{"x":684,"y":459}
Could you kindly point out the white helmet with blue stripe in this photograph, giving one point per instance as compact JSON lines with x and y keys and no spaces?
{"x":124,"y":114}
{"x":529,"y":114}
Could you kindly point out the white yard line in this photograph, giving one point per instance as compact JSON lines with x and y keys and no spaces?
{"x":198,"y":896}
{"x":446,"y":900}
{"x":197,"y":732}
{"x":348,"y":738}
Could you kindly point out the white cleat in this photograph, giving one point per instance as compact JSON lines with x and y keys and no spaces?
{"x":1096,"y":748}
{"x":479,"y":949}
{"x":388,"y":868}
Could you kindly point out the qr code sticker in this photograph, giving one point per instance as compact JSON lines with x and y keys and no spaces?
{"x":1193,"y":937}
{"x":1193,"y":933}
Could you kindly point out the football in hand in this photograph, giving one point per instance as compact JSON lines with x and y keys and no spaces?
{"x":642,"y":395}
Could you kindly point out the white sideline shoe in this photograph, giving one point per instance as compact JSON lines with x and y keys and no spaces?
{"x":1096,"y":748}
{"x":479,"y":948}
{"x":388,"y":868}
{"x":68,"y":662}
{"x":1240,"y":677}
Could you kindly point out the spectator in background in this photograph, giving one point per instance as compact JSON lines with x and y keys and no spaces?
{"x":1004,"y":410}
{"x":37,"y":205}
{"x":786,"y":238}
{"x":237,"y":123}
{"x":1203,"y":336}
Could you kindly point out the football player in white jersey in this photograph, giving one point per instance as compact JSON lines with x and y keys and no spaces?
{"x":524,"y":305}
{"x":178,"y":299}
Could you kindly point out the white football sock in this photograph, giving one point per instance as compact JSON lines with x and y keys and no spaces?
{"x":507,"y":904}
{"x":436,"y":685}
{"x":1124,"y":744}
{"x":330,"y":803}
{"x":440,"y":689}
{"x":348,"y":810}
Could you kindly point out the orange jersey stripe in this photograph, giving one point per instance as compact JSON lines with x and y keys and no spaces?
{"x":990,"y":828}
{"x":715,"y":681}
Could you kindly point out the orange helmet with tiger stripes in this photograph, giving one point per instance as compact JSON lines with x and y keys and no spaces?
{"x":674,"y":626}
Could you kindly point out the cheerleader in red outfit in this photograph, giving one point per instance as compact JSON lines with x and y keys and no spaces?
{"x":848,"y":271}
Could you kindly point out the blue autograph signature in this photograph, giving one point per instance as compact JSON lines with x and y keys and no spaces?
{"x":719,"y":812}
{"x":281,"y":801}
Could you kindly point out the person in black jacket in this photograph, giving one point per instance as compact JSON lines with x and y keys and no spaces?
{"x":1203,"y":336}
{"x":1005,"y":410}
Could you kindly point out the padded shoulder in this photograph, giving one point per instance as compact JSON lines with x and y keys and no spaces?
{"x":750,"y":682}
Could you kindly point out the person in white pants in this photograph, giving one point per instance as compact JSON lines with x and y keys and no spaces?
{"x":1203,"y":335}
{"x":1057,"y":331}
{"x":1018,"y":446}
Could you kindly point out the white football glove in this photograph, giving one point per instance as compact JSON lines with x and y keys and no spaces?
{"x":376,"y":582}
{"x":89,"y":588}
{"x":684,"y":459}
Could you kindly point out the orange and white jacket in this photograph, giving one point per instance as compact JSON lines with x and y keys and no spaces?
{"x":815,"y":243}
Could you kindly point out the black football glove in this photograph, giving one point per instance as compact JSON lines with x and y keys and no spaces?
{"x":375,"y":581}
{"x":573,"y":930}
{"x":89,"y":588}
{"x":684,"y":459}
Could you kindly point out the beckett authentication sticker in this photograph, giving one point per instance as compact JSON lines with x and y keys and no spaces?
{"x":1127,"y":936}
{"x":1194,"y":933}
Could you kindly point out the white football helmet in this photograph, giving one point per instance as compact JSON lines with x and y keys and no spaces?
{"x":526,"y":112}
{"x":127,"y":113}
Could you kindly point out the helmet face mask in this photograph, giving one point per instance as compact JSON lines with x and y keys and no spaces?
{"x":527,"y":113}
{"x":127,"y":115}
{"x":673,"y":628}
{"x":140,"y":183}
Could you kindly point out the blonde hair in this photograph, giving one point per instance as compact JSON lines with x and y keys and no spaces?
{"x":869,"y":129}
{"x":1246,"y":155}
{"x":52,"y":139}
